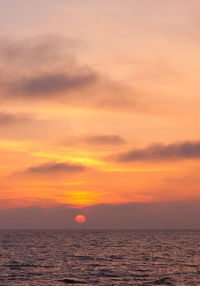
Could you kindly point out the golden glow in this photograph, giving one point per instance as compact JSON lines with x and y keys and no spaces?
{"x":131,"y":101}
{"x":62,"y":157}
{"x":82,"y":198}
{"x":19,"y":146}
{"x":52,"y":184}
{"x":142,"y":170}
{"x":87,"y":161}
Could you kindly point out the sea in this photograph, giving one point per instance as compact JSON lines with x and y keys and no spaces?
{"x":99,"y":257}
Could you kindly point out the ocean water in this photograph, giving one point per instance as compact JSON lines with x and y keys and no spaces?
{"x":99,"y":257}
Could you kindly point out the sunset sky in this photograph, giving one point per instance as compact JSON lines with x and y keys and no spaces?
{"x":99,"y":111}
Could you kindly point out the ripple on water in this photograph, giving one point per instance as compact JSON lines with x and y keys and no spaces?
{"x":34,"y":258}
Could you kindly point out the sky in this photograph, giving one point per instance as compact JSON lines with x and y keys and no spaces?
{"x":99,"y":113}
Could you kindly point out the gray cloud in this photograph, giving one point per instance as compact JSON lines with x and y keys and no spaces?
{"x":105,"y":140}
{"x":95,"y":140}
{"x":56,"y":168}
{"x":175,"y":151}
{"x":42,"y":66}
{"x":48,"y":68}
{"x":49,"y":84}
{"x":159,"y":215}
{"x":37,"y":51}
{"x":13,"y":118}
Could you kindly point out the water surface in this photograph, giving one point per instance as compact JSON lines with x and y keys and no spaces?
{"x":99,"y":257}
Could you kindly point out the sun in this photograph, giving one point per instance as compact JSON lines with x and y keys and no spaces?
{"x":80,"y":218}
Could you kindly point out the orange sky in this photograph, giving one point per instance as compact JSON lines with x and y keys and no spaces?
{"x":99,"y":102}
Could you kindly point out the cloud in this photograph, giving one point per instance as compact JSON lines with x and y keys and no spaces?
{"x":49,"y":68}
{"x":159,"y":152}
{"x":39,"y":51}
{"x":94,"y":140}
{"x":56,"y":168}
{"x":42,"y":67}
{"x":50,"y":84}
{"x":105,"y":140}
{"x":159,"y":215}
{"x":13,"y":118}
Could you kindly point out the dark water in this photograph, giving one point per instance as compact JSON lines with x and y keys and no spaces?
{"x":100,"y":257}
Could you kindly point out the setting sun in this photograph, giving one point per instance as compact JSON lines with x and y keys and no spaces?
{"x":90,"y":112}
{"x":80,"y":219}
{"x":100,"y":142}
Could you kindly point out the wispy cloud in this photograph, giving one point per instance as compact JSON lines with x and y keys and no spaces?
{"x":47,"y":85}
{"x":159,"y":152}
{"x":94,"y":140}
{"x":14,"y":118}
{"x":105,"y":140}
{"x":55,"y":168}
{"x":48,"y":68}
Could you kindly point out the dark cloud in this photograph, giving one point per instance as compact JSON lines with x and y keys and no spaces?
{"x":93,"y":140}
{"x":56,"y":168}
{"x":158,"y":215}
{"x":105,"y":140}
{"x":42,"y":66}
{"x":50,"y":84}
{"x":185,"y":150}
{"x":38,"y":51}
{"x":48,"y":68}
{"x":12,"y":119}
